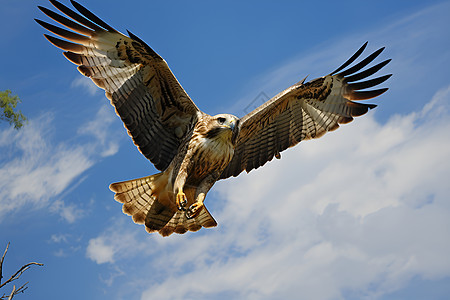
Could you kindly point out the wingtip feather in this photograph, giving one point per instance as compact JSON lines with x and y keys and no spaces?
{"x":368,"y":83}
{"x":85,"y":71}
{"x":73,"y":57}
{"x":65,"y":45}
{"x":364,"y":95}
{"x":91,"y":16}
{"x":351,"y":59}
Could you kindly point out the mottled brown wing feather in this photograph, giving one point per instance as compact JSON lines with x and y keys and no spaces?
{"x":155,"y":109}
{"x":304,"y":111}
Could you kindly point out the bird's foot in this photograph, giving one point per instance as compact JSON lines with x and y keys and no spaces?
{"x":181,"y":201}
{"x":194,"y":210}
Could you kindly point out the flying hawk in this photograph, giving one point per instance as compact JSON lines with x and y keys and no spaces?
{"x":191,"y":148}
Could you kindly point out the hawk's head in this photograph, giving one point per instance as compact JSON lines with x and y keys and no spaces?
{"x":224,"y":127}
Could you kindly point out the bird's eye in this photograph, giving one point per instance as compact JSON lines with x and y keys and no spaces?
{"x":221,"y":120}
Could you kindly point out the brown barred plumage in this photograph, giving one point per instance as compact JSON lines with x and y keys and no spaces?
{"x":192,"y":149}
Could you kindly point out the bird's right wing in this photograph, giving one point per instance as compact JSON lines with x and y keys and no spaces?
{"x":305,"y":111}
{"x":155,"y":109}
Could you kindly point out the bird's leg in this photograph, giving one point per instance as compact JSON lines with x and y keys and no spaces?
{"x":203,"y":188}
{"x":195,"y":208}
{"x":181,"y":200}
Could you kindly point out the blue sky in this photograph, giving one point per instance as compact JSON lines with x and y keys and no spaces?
{"x":362,"y":213}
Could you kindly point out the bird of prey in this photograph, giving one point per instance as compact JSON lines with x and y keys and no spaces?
{"x":191,"y":148}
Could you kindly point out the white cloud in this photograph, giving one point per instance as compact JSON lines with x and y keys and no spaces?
{"x":66,"y":244}
{"x":98,"y":128}
{"x":111,"y":277}
{"x":69,"y":212}
{"x":86,"y":84}
{"x":115,"y":243}
{"x":99,"y":251}
{"x":59,"y":238}
{"x":35,"y":169}
{"x":360,"y":211}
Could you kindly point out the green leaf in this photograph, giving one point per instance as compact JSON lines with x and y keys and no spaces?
{"x":8,"y":103}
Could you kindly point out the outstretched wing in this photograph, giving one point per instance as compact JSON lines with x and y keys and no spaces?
{"x":305,"y":111}
{"x":155,"y":109}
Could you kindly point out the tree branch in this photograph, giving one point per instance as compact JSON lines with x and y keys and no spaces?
{"x":12,"y":293}
{"x":19,"y":273}
{"x":15,"y":276}
{"x":1,"y":262}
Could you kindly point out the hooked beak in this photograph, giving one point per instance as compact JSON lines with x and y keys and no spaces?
{"x":232,"y":125}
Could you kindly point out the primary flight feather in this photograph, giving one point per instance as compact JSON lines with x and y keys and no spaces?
{"x":191,"y":148}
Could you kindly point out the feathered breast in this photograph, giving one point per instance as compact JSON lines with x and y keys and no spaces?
{"x":210,"y":155}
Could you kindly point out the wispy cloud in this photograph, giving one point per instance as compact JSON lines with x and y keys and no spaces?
{"x":69,"y":212}
{"x":36,"y":169}
{"x":82,"y":82}
{"x":59,"y":238}
{"x":116,"y":243}
{"x":98,"y":128}
{"x":358,"y":212}
{"x":355,"y":214}
{"x":361,"y":211}
{"x":66,"y":244}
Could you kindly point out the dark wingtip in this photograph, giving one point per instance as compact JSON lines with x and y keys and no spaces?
{"x":364,"y":95}
{"x":56,"y":4}
{"x":369,"y":83}
{"x":65,"y":45}
{"x":73,"y":57}
{"x":147,"y":47}
{"x":351,"y":59}
{"x":44,"y":24}
{"x":359,"y":109}
{"x":91,"y":16}
{"x":366,"y":73}
{"x":361,"y":64}
{"x":131,"y":35}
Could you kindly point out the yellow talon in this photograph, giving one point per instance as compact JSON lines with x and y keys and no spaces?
{"x":194,"y":210}
{"x":181,"y":200}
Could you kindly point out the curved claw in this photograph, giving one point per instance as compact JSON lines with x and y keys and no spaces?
{"x":193,"y":210}
{"x":181,"y":201}
{"x":189,"y":215}
{"x":182,"y":204}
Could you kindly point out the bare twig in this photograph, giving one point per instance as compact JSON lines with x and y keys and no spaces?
{"x":12,"y":293}
{"x":19,"y":273}
{"x":15,"y":276}
{"x":22,"y":288}
{"x":1,"y":262}
{"x":15,"y":291}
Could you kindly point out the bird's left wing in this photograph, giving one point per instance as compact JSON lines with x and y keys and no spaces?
{"x":155,"y":109}
{"x":305,"y":111}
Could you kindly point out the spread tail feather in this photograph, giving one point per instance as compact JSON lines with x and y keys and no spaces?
{"x":150,"y":201}
{"x":180,"y":224}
